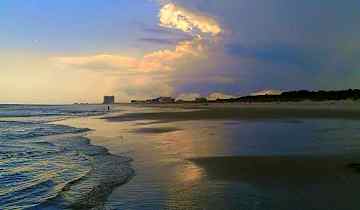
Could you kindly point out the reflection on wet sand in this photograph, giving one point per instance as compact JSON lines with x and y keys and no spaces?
{"x":189,"y":173}
{"x":195,"y":164}
{"x":272,"y":170}
{"x":156,"y":130}
{"x":311,"y":182}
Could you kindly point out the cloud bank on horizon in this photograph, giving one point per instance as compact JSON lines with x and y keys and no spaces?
{"x":149,"y":48}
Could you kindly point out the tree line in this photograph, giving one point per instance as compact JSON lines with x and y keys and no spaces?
{"x":300,"y":95}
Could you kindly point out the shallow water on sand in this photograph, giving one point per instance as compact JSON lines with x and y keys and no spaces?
{"x":167,"y":178}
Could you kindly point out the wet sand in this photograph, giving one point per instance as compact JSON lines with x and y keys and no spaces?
{"x":311,"y":182}
{"x":171,"y":162}
{"x":290,"y":170}
{"x":156,"y":130}
{"x":244,"y":112}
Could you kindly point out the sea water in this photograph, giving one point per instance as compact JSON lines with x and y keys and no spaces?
{"x":48,"y":166}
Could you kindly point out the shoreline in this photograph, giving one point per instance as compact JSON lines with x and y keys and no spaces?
{"x":88,"y":177}
{"x":107,"y":171}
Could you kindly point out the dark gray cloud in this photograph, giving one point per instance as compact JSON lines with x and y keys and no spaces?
{"x":277,"y":53}
{"x":283,"y":44}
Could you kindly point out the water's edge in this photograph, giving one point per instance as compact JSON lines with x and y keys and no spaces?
{"x":91,"y":191}
{"x":48,"y":165}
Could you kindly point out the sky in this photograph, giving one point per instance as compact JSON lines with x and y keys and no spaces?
{"x":65,"y":51}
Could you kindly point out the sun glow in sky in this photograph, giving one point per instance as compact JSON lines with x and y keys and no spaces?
{"x":77,"y":51}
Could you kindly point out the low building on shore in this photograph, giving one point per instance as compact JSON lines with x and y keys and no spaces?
{"x":138,"y":101}
{"x":159,"y":100}
{"x":166,"y":100}
{"x":109,"y":100}
{"x":201,"y":100}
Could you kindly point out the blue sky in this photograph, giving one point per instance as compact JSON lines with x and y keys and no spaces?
{"x":74,"y":26}
{"x":81,"y":50}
